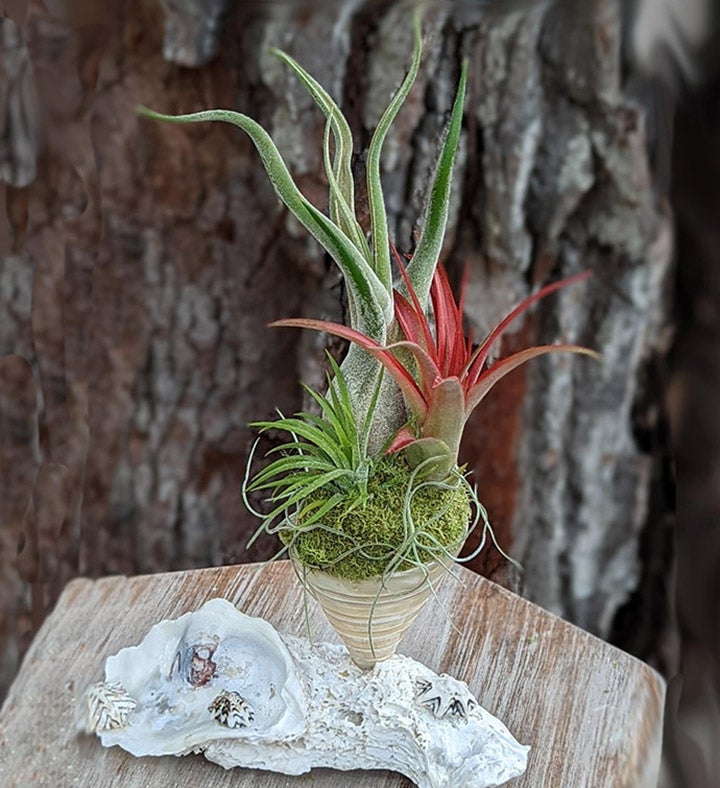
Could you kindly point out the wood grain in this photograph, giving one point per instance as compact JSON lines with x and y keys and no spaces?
{"x":591,"y":713}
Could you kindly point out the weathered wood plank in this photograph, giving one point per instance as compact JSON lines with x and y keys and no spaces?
{"x":592,"y":714}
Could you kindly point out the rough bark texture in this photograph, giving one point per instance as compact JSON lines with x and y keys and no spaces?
{"x":146,"y":261}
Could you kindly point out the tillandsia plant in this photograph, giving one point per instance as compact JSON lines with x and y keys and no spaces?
{"x":372,"y":483}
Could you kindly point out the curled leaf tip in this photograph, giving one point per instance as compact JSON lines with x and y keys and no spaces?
{"x":144,"y":111}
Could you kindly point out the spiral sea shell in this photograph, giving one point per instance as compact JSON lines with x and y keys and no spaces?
{"x":371,"y":616}
{"x":107,"y":706}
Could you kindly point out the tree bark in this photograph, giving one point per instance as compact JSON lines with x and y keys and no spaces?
{"x":146,"y":261}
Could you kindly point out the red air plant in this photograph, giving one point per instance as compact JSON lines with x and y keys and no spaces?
{"x":447,"y":377}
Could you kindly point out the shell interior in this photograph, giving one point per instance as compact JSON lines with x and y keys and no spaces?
{"x":182,"y":667}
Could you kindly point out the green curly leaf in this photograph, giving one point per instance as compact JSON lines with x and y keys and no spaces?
{"x":425,"y":258}
{"x":372,"y":301}
{"x":342,"y":185}
{"x":376,"y":201}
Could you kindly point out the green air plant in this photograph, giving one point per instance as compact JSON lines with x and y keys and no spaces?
{"x":371,"y":483}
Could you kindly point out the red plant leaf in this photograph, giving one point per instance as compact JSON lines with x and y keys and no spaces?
{"x":414,"y":326}
{"x":402,"y":440}
{"x":446,"y":413}
{"x":479,"y":357}
{"x":416,"y":308}
{"x":402,"y":377}
{"x":428,"y":369}
{"x":450,"y":374}
{"x":474,"y":394}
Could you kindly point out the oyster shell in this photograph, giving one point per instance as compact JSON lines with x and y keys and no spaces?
{"x":182,"y":666}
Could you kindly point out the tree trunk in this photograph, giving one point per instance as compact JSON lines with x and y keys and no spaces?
{"x":146,"y":261}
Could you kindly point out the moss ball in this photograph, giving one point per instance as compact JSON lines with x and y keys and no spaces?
{"x":360,"y":539}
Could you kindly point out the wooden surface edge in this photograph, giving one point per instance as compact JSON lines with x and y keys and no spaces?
{"x":77,"y":585}
{"x":653,"y":676}
{"x":655,"y":682}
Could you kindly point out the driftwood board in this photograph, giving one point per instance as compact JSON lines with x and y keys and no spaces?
{"x":592,"y":714}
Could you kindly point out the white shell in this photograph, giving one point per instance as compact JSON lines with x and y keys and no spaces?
{"x":444,"y":696}
{"x":228,"y":685}
{"x":164,"y":676}
{"x":232,"y":710}
{"x":108,"y":707}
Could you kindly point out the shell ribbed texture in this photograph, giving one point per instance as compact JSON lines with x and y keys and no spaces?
{"x":371,"y":616}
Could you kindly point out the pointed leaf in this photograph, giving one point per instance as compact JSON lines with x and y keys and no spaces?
{"x":318,"y":509}
{"x":283,"y":464}
{"x":426,"y":254}
{"x":305,"y":449}
{"x":491,"y":376}
{"x":403,"y":308}
{"x":402,"y":377}
{"x":476,"y":362}
{"x":329,"y":413}
{"x":412,"y":325}
{"x":340,"y":211}
{"x":429,"y":372}
{"x":448,"y":325}
{"x":403,"y":438}
{"x":305,"y":490}
{"x":314,"y":435}
{"x":373,"y":306}
{"x":342,"y":167}
{"x":376,"y":201}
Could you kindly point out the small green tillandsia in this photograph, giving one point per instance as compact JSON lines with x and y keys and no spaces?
{"x":355,"y":515}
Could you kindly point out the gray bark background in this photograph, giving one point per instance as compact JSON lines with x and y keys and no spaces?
{"x":144,"y":261}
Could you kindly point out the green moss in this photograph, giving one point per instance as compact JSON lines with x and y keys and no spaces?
{"x":358,"y":540}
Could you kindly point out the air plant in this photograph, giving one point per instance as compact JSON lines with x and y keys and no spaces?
{"x":327,"y":451}
{"x":407,"y":428}
{"x":447,"y":377}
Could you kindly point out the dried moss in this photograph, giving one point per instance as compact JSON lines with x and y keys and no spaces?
{"x":359,"y":540}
